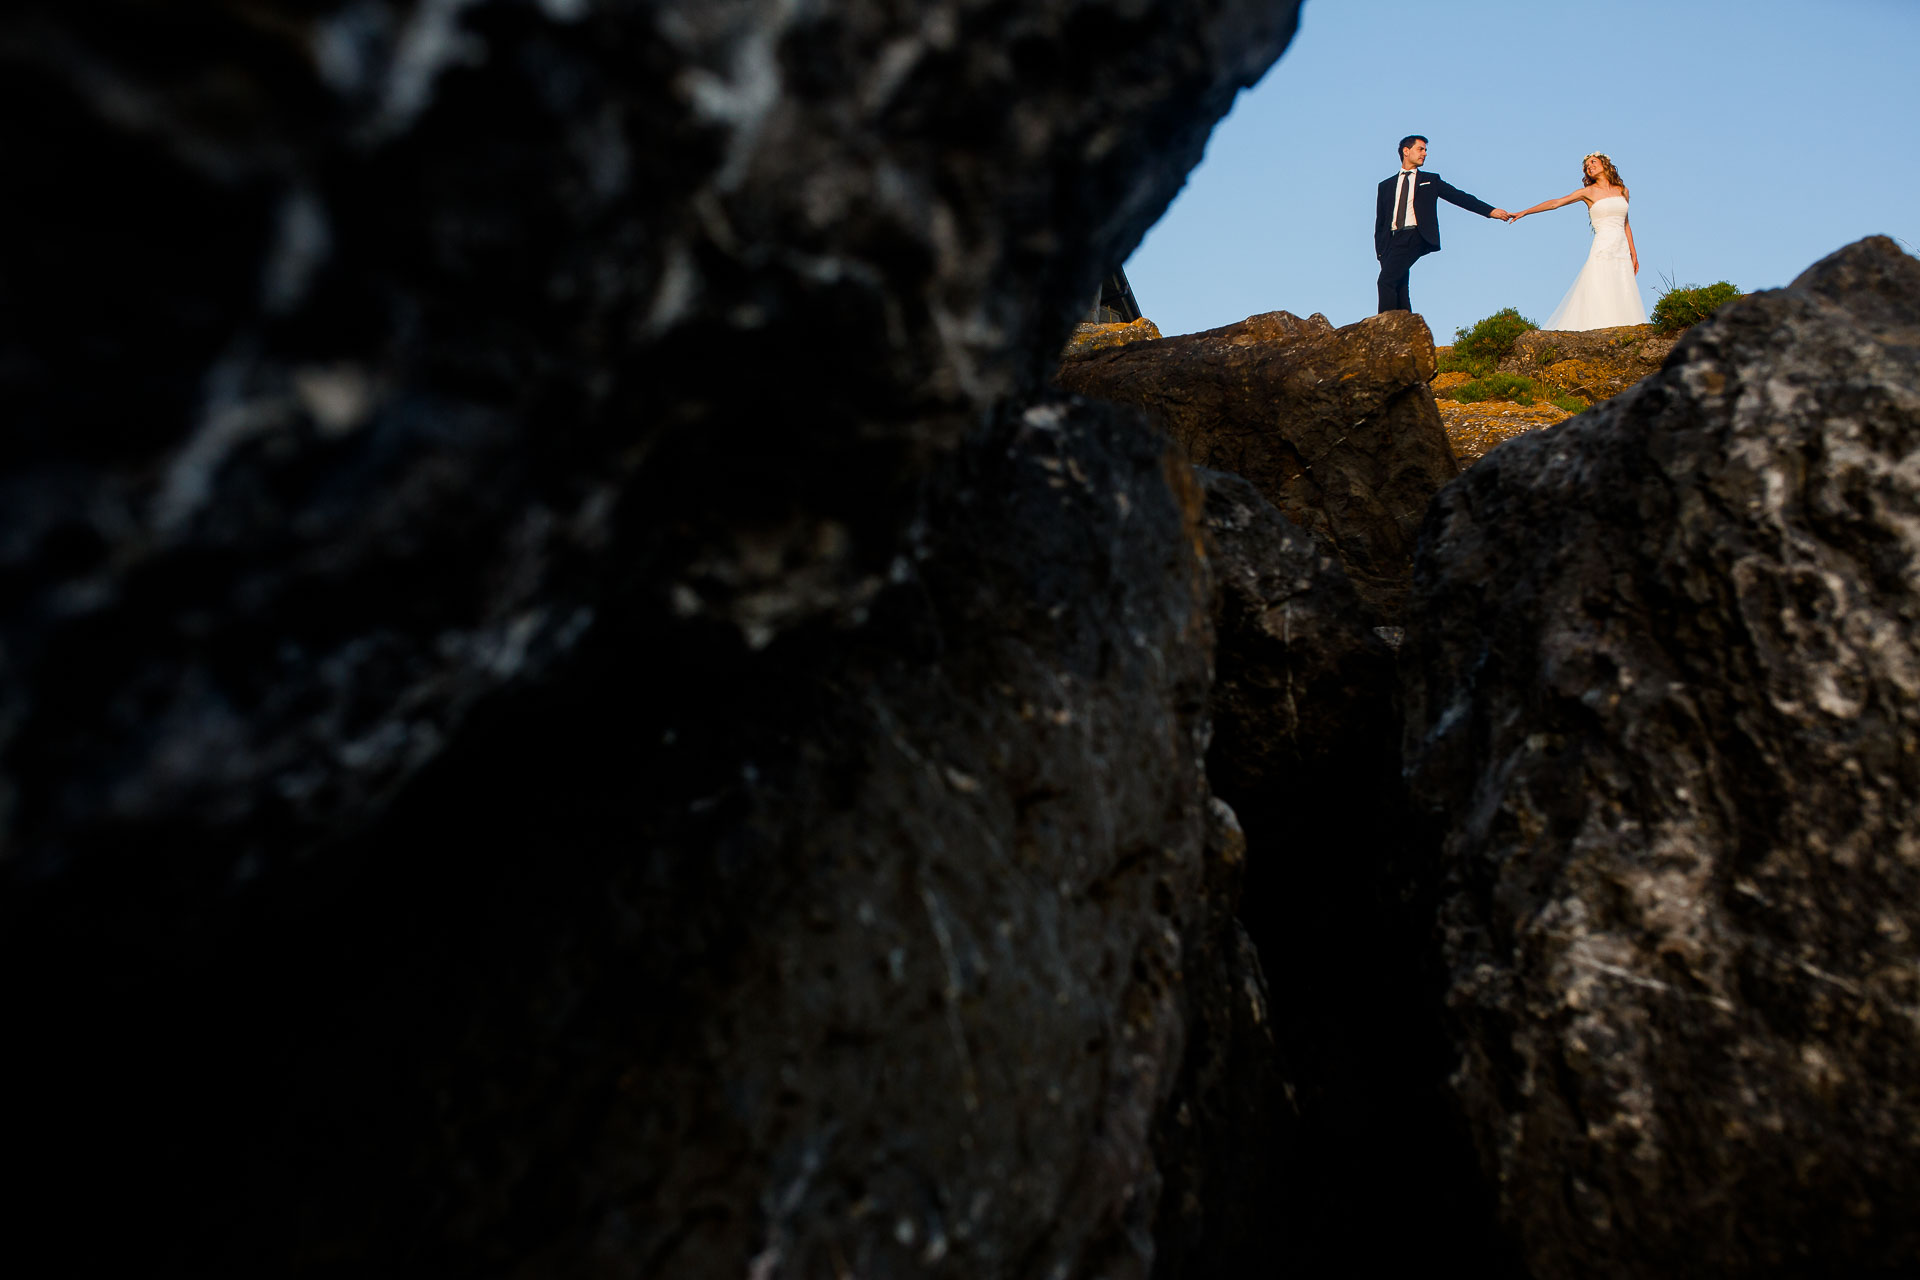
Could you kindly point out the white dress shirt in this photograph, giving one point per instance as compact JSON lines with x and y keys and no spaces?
{"x":1407,"y":178}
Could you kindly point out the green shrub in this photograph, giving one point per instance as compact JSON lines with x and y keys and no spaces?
{"x":1522,"y":391}
{"x":1547,"y":355}
{"x":1454,"y":362}
{"x":1497,"y":386}
{"x":1689,"y":304}
{"x":1491,"y":340}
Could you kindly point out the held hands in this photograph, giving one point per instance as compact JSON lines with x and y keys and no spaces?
{"x":1503,"y":215}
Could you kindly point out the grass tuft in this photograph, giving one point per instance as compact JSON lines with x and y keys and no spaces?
{"x":1454,"y":362}
{"x":1508,"y":386}
{"x":1497,"y":386}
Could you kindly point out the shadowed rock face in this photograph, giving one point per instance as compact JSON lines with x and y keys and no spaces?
{"x":1335,"y":427}
{"x":962,"y":892}
{"x":1663,"y":678}
{"x":1304,"y":690}
{"x":370,"y":353}
{"x":514,"y":538}
{"x":1228,"y":1142}
{"x":878,"y":950}
{"x":1306,"y":713}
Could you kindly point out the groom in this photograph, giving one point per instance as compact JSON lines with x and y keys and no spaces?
{"x":1406,"y":220}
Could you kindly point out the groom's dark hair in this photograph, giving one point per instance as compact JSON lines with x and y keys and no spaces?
{"x":1406,"y":142}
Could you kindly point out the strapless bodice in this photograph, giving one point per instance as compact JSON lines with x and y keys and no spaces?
{"x":1608,"y":217}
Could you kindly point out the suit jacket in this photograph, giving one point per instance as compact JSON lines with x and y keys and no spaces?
{"x":1428,"y":191}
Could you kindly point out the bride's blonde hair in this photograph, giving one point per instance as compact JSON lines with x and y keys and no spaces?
{"x":1607,"y":171}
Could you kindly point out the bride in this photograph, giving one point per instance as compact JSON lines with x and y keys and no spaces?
{"x":1604,"y":294}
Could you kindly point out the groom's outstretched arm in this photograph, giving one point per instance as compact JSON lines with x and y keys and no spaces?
{"x":1454,"y":195}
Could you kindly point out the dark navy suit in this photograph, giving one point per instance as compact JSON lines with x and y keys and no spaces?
{"x":1399,"y":250}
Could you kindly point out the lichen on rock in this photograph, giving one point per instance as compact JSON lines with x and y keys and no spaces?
{"x":1088,"y":338}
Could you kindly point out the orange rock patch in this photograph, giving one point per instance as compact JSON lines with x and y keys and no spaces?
{"x":1475,"y":429}
{"x":1088,"y":338}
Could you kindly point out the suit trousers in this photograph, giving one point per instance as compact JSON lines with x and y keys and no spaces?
{"x":1403,"y":250}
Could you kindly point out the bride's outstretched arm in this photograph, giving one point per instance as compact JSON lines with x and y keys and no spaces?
{"x":1545,"y":205}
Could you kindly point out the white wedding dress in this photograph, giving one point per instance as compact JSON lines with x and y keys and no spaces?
{"x":1605,"y":293}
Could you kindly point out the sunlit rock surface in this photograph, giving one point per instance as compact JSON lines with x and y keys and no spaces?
{"x":1594,"y":364}
{"x":1088,"y":338}
{"x":1474,"y":430}
{"x":1662,"y":700}
{"x":1335,"y":427}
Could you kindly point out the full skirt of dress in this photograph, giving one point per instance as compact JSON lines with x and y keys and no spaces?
{"x":1605,"y":294}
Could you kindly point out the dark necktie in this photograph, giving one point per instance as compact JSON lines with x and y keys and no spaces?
{"x":1406,"y":200}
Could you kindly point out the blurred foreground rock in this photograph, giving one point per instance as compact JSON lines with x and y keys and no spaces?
{"x":965,"y":891}
{"x":1663,"y":678}
{"x":1335,"y":427}
{"x":425,"y":348}
{"x":509,"y":759}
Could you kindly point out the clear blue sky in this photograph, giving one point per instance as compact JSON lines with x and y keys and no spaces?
{"x":1756,"y":136}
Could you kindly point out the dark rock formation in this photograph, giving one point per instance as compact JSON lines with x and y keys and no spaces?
{"x":1594,"y":364}
{"x":1228,"y":1144}
{"x":489,"y":604}
{"x":879,"y":956}
{"x":1663,"y":677}
{"x":440,"y":325}
{"x":1304,"y":691}
{"x":963,"y":892}
{"x":1306,"y":749}
{"x":1335,"y":427}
